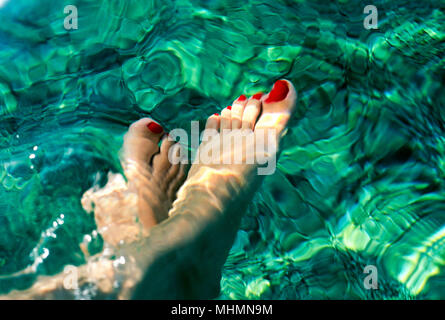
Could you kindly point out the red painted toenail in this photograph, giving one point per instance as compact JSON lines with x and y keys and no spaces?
{"x":216,"y":114}
{"x":154,"y":127}
{"x":257,"y":96}
{"x":229,"y":107}
{"x":279,"y":92}
{"x":242,"y":98}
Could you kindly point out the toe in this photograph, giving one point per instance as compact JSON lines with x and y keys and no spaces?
{"x":213,"y":122}
{"x":142,"y":140}
{"x":161,"y":163}
{"x":251,"y":111}
{"x":212,"y":126}
{"x":237,"y":111}
{"x":277,"y":106}
{"x":147,"y":128}
{"x":177,"y":182}
{"x":175,"y":154}
{"x":226,"y":118}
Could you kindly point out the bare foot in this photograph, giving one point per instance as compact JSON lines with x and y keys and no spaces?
{"x":228,"y":172}
{"x":191,"y":246}
{"x":125,"y":211}
{"x":183,"y":256}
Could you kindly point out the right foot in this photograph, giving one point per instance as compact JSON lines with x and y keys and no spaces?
{"x":191,"y":246}
{"x":230,"y":183}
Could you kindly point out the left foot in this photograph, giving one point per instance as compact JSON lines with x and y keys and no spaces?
{"x":126,"y":211}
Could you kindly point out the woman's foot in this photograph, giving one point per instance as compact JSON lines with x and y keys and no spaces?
{"x":191,"y":246}
{"x":236,"y":144}
{"x":147,"y":196}
{"x":183,"y":256}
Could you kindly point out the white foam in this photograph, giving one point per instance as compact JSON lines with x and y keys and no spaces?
{"x":3,"y":2}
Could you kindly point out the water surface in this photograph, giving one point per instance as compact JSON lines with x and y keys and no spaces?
{"x":361,"y":176}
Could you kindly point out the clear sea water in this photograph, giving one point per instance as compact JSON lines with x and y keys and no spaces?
{"x":361,"y":177}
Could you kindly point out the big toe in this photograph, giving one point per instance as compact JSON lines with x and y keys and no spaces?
{"x":277,"y":106}
{"x":141,"y":142}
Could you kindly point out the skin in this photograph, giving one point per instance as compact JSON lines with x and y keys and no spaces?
{"x":125,"y":211}
{"x":172,"y":249}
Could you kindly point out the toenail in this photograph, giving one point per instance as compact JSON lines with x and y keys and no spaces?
{"x":242,"y":98}
{"x":229,"y":107}
{"x":257,"y":96}
{"x":154,"y":127}
{"x":216,"y":114}
{"x":279,"y":92}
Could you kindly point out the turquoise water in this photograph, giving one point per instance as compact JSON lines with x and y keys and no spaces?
{"x":361,"y":176}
